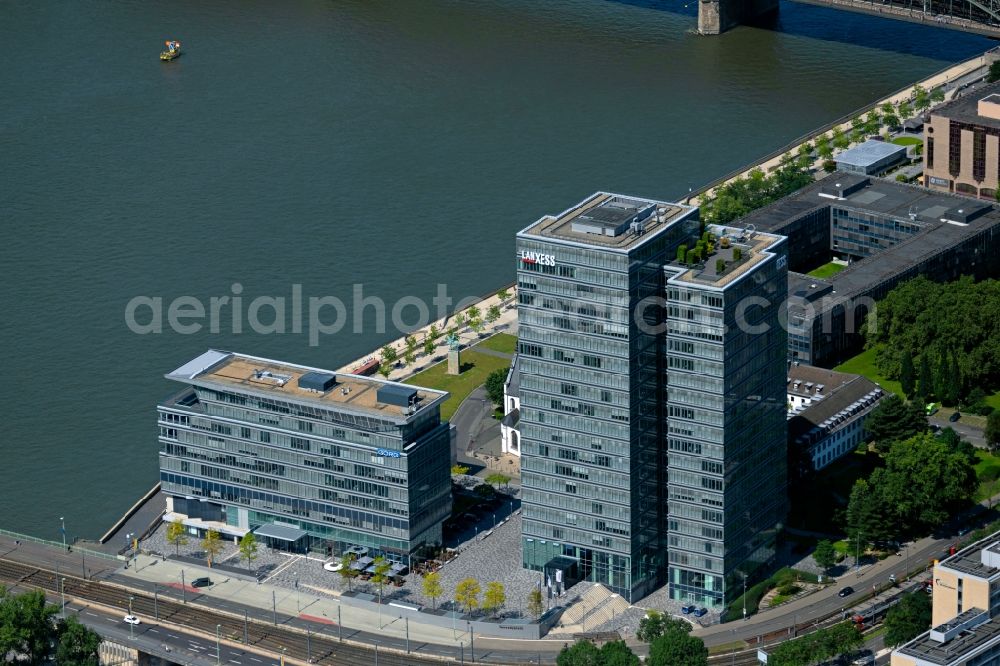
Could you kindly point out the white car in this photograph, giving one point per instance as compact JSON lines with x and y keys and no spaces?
{"x":333,"y":565}
{"x":132,"y":619}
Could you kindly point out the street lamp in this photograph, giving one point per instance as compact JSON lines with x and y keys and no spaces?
{"x":62,"y":521}
{"x":218,"y":647}
{"x":131,"y":625}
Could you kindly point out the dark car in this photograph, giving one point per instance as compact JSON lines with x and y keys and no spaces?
{"x":201,"y":582}
{"x":700,"y":612}
{"x":954,"y":417}
{"x":845,"y":591}
{"x":687,"y":609}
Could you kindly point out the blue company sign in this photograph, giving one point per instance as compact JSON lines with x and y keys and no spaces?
{"x":388,"y":453}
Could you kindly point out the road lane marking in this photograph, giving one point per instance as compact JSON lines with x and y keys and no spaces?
{"x":256,"y":659}
{"x":92,"y":614}
{"x":155,"y":631}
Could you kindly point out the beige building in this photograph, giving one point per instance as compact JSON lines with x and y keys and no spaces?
{"x":962,"y":145}
{"x":966,"y":617}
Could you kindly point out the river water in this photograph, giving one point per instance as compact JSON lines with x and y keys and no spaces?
{"x":395,"y":145}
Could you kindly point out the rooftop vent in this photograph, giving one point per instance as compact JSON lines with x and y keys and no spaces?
{"x":269,"y":377}
{"x":320,"y":382}
{"x":397,"y":394}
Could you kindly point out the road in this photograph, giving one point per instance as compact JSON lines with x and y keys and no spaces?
{"x":967,"y":432}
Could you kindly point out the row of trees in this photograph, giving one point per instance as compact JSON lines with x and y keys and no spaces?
{"x":29,"y":628}
{"x":756,"y":190}
{"x":823,"y":644}
{"x":939,"y":340}
{"x":211,"y":543}
{"x":471,"y":317}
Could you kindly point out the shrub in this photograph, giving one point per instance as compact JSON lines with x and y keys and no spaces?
{"x":720,"y":265}
{"x":724,"y":242}
{"x":902,"y":178}
{"x":689,"y":257}
{"x":682,"y":253}
{"x":737,"y":253}
{"x":829,"y":166}
{"x":788,"y":590}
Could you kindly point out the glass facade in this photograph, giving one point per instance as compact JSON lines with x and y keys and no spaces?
{"x":653,"y":430}
{"x":344,"y":478}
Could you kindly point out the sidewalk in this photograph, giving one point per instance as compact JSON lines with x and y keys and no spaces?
{"x":315,"y":605}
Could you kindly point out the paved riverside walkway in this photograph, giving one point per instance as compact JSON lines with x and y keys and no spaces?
{"x":507,"y":323}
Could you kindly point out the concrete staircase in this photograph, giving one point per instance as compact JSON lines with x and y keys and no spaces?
{"x":594,"y":607}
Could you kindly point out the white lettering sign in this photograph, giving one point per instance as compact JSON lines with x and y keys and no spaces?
{"x":529,"y":257}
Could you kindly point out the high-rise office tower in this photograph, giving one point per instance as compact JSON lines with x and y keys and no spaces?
{"x":600,"y":354}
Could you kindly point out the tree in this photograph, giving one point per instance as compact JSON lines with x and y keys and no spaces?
{"x":429,"y":345}
{"x":866,"y":516}
{"x":385,"y":369}
{"x":953,"y":382}
{"x":494,"y":385}
{"x":503,"y":295}
{"x":955,"y":444}
{"x":248,"y":548}
{"x":459,"y":470}
{"x":212,"y":545}
{"x":992,"y":432}
{"x":177,"y":535}
{"x":825,"y":555}
{"x":467,"y":594}
{"x":925,"y":380}
{"x":817,"y":646}
{"x":381,"y":575}
{"x":889,"y":115}
{"x":937,"y":95}
{"x":389,"y":354}
{"x":476,"y":325}
{"x":840,"y":140}
{"x":581,"y":653}
{"x":894,"y":420}
{"x":873,"y":121}
{"x":498,"y":479}
{"x":677,"y":648}
{"x":941,"y":370}
{"x":655,"y":624}
{"x":77,"y":644}
{"x":535,"y":604}
{"x":906,"y":376}
{"x":617,"y":653}
{"x":823,"y":147}
{"x":433,"y":334}
{"x":473,"y":313}
{"x":994,"y":73}
{"x":921,"y":99}
{"x":485,"y":490}
{"x":410,"y":356}
{"x":908,"y":619}
{"x":347,"y":574}
{"x":431,"y":585}
{"x":495,"y":597}
{"x":460,"y":319}
{"x":26,"y":626}
{"x":410,"y":342}
{"x":905,"y":109}
{"x":492,"y":313}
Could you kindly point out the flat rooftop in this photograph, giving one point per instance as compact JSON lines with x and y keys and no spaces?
{"x":966,"y":108}
{"x":977,"y":560}
{"x":755,"y":246}
{"x":605,"y":220}
{"x":945,"y":220}
{"x":955,"y":650}
{"x":240,"y":373}
{"x":870,"y":152}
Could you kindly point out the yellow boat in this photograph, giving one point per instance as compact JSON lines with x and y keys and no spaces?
{"x":173,"y":50}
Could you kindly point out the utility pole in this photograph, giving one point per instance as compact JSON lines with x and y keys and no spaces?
{"x":274,"y":608}
{"x":340,"y":625}
{"x":156,"y":610}
{"x":62,"y":594}
{"x":309,"y":650}
{"x":246,"y":633}
{"x":218,"y":645}
{"x":183,"y":588}
{"x":407,"y":635}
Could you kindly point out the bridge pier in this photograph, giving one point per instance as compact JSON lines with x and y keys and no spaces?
{"x":717,"y":16}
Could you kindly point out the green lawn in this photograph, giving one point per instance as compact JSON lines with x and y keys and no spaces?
{"x":907,"y":141}
{"x":994,"y":400}
{"x":987,"y":473}
{"x":475,"y":368}
{"x":501,"y":342}
{"x":864,"y":364}
{"x":827,"y":270}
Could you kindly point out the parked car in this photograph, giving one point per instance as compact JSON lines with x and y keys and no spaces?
{"x":892,"y":578}
{"x":954,"y":417}
{"x":845,"y":591}
{"x":132,"y":619}
{"x":700,"y":612}
{"x":201,"y":582}
{"x":687,"y":609}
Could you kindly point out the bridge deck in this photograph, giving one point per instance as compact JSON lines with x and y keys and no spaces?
{"x":980,"y":17}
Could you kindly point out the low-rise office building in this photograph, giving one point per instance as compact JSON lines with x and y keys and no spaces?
{"x":962,"y":145}
{"x":889,"y":232}
{"x":966,"y":612}
{"x":871,"y":158}
{"x":305,"y":458}
{"x":827,"y":411}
